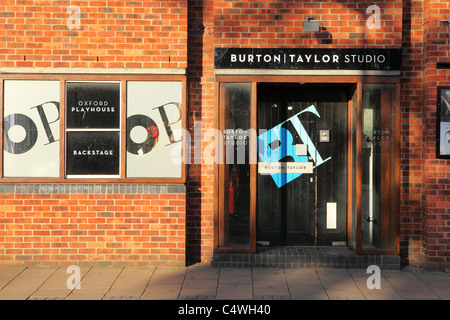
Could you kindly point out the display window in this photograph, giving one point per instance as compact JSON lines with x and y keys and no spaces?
{"x":115,"y":128}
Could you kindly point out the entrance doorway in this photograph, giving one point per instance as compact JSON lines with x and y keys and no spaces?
{"x":307,"y":163}
{"x":302,"y":164}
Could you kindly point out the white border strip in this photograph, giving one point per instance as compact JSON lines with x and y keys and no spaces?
{"x":284,"y":72}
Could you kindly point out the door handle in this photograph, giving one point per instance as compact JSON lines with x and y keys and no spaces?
{"x":369,"y":220}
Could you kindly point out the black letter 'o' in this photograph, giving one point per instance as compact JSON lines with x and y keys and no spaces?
{"x":152,"y":134}
{"x":30,"y":128}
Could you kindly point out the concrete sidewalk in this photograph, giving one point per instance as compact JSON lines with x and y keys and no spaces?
{"x":206,"y":282}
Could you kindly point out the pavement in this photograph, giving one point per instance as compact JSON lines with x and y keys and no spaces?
{"x":205,"y":282}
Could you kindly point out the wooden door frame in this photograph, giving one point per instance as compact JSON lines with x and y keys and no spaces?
{"x":352,"y":81}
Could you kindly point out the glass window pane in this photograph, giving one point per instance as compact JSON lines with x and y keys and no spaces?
{"x":95,"y":153}
{"x":237,"y":164}
{"x":378,"y":163}
{"x":93,"y":129}
{"x":93,"y":105}
{"x":154,"y":129}
{"x":31,"y":128}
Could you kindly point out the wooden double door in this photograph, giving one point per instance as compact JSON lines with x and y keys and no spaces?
{"x":302,"y":164}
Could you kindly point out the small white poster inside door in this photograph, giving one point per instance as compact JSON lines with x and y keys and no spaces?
{"x":285,"y":167}
{"x":331,"y":215}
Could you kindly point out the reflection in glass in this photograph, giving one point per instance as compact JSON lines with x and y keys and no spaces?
{"x":378,"y":158}
{"x":236,"y":219}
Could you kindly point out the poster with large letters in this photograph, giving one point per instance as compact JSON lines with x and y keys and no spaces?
{"x":154,"y":129}
{"x":31,"y":128}
{"x":443,"y":123}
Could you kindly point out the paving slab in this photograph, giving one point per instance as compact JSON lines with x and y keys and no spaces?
{"x":235,"y":291}
{"x":424,"y":294}
{"x":130,"y":284}
{"x":26,"y":283}
{"x":162,"y":291}
{"x":8,"y":273}
{"x":268,"y":274}
{"x":232,"y":275}
{"x":437,"y":282}
{"x":202,"y":273}
{"x":199,"y":287}
{"x":270,"y":288}
{"x":433,"y":280}
{"x":384,"y":292}
{"x":165,"y":284}
{"x":168,"y":275}
{"x":96,"y":283}
{"x":339,"y":284}
{"x":56,"y":288}
{"x":442,"y":292}
{"x":197,"y":283}
{"x":302,"y":276}
{"x":307,"y":292}
{"x":333,"y":275}
{"x":404,"y":280}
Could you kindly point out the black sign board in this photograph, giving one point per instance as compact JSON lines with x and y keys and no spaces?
{"x":93,"y":153}
{"x":307,"y":59}
{"x":93,"y":105}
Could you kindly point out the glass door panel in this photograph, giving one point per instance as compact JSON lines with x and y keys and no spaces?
{"x":378,"y":167}
{"x":235,"y":206}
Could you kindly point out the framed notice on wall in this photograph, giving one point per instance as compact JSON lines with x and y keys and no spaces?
{"x":93,"y":129}
{"x":93,"y":153}
{"x":94,"y":105}
{"x":443,"y":123}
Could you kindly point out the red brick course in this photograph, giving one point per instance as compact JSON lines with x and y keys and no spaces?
{"x":54,"y":228}
{"x":111,"y":34}
{"x":270,"y":23}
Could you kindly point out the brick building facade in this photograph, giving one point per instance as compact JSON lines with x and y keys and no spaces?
{"x":173,"y":220}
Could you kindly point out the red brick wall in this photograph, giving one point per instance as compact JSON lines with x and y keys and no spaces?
{"x":146,"y":228}
{"x":411,"y":132}
{"x":272,"y":23}
{"x":436,"y":173}
{"x":158,"y":34}
{"x":111,"y":34}
{"x":200,"y":187}
{"x":70,"y":226}
{"x":415,"y":27}
{"x":425,"y":206}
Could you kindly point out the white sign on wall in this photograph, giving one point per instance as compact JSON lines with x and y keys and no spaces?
{"x":31,"y":128}
{"x":154,"y":126}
